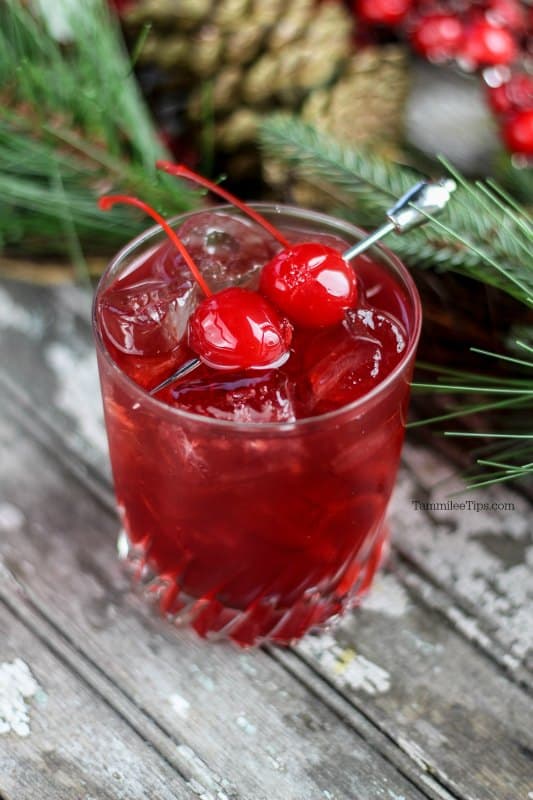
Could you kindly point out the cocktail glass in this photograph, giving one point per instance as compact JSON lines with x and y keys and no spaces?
{"x":257,"y":531}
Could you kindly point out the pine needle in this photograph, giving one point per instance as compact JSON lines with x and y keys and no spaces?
{"x":483,"y":234}
{"x":73,"y":124}
{"x":477,"y":235}
{"x":515,"y":459}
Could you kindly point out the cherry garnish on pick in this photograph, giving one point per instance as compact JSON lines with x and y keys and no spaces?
{"x":309,"y":282}
{"x":230,"y":330}
{"x":292,"y":276}
{"x":314,"y":284}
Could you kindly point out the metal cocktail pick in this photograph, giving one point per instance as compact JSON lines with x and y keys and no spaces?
{"x":425,"y":200}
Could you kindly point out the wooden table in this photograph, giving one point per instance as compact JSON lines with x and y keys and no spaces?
{"x":424,"y":692}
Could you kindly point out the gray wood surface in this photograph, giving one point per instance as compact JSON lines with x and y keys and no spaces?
{"x":483,"y":559}
{"x":226,"y":715}
{"x":422,"y":692}
{"x":73,"y":745}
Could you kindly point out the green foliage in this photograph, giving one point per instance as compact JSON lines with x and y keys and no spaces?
{"x":73,"y":124}
{"x":507,"y":453}
{"x":481,"y":234}
{"x":517,"y":181}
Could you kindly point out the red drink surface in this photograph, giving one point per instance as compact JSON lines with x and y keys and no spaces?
{"x":257,"y":498}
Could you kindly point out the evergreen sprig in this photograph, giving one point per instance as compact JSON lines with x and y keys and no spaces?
{"x":73,"y":124}
{"x":482,"y":234}
{"x":507,"y":453}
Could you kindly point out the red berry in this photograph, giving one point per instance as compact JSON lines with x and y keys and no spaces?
{"x":514,"y":95}
{"x":507,"y":13}
{"x":239,"y":329}
{"x":437,"y":36}
{"x":520,"y":91}
{"x":498,"y":99}
{"x":311,"y":283}
{"x":517,"y":133}
{"x":383,"y":12}
{"x":486,"y":44}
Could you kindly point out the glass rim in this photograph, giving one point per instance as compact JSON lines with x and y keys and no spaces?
{"x":335,"y":415}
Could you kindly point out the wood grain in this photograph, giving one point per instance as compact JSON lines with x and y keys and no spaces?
{"x":418,"y":672}
{"x":234,"y":723}
{"x":441,"y":701}
{"x":482,"y":561}
{"x":76,"y":747}
{"x":482,"y":556}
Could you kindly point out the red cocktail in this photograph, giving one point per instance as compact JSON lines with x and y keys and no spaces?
{"x":253,"y":502}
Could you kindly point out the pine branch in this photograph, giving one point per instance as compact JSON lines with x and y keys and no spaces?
{"x":508,"y":455}
{"x":483,"y":234}
{"x":73,"y":124}
{"x":479,"y":235}
{"x":519,"y":181}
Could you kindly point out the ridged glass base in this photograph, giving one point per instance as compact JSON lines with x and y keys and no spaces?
{"x":263,"y":620}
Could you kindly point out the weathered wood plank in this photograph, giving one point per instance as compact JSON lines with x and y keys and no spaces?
{"x":481,"y":561}
{"x":388,"y":715}
{"x":43,"y":337}
{"x":443,"y":703}
{"x":481,"y":554}
{"x":59,"y":741}
{"x":235,"y":722}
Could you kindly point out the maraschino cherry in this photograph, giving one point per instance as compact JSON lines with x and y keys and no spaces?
{"x":232,"y":329}
{"x":237,"y":328}
{"x":309,"y":282}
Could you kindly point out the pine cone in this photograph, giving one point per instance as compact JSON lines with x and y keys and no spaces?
{"x":239,"y":59}
{"x":367,"y":100}
{"x":364,"y":107}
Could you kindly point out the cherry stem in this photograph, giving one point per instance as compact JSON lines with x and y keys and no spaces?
{"x":181,"y":171}
{"x":109,"y":200}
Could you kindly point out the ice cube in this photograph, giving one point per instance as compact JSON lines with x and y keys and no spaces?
{"x":346,"y":362}
{"x":148,"y":318}
{"x":390,"y":332}
{"x":227,"y":250}
{"x":250,"y":397}
{"x":168,"y":265}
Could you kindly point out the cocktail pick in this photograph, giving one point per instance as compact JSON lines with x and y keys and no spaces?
{"x":414,"y":208}
{"x":185,"y":368}
{"x":423,"y":201}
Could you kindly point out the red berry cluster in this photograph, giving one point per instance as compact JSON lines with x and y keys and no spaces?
{"x":491,"y":36}
{"x":512,"y":102}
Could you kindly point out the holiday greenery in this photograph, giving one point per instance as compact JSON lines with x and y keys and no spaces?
{"x":72,"y":124}
{"x":483,"y":234}
{"x":507,"y":451}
